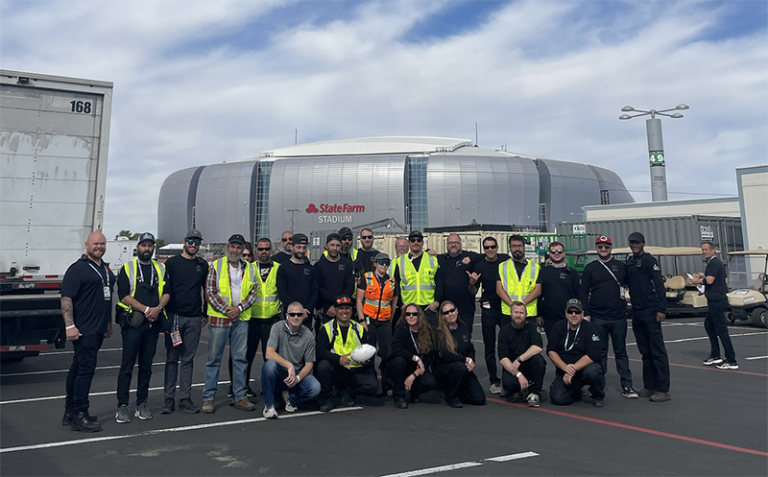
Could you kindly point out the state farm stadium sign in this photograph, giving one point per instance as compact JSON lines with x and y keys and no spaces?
{"x":338,"y":211}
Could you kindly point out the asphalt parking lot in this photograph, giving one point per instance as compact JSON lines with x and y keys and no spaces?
{"x":715,"y":424}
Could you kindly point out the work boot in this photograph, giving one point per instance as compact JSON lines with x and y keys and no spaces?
{"x":454,"y":402}
{"x":208,"y":407}
{"x":245,"y":405}
{"x":401,"y":404}
{"x":186,"y":405}
{"x":169,"y":406}
{"x":659,"y":396}
{"x":81,"y":422}
{"x":646,"y":393}
{"x":347,"y":400}
{"x":66,"y":420}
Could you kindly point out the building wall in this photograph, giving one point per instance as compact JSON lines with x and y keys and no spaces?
{"x":224,"y":204}
{"x":720,"y":207}
{"x":752,"y":183}
{"x":571,"y":186}
{"x":176,"y":204}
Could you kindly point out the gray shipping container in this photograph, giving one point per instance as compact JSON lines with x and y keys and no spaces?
{"x":686,"y":231}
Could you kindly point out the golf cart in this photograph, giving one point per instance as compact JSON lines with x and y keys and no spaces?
{"x":750,"y":303}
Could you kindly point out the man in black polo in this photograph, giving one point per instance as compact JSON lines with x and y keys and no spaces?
{"x":86,"y":302}
{"x":286,"y":253}
{"x":649,"y":307}
{"x":486,"y":273}
{"x":574,"y":349}
{"x":297,"y":279}
{"x":456,"y":283}
{"x":187,"y":273}
{"x":520,"y":356}
{"x":715,"y":290}
{"x":559,"y":283}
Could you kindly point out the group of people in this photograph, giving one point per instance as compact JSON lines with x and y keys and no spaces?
{"x":417,"y":310}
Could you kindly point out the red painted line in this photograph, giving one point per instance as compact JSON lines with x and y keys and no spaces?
{"x":635,"y":428}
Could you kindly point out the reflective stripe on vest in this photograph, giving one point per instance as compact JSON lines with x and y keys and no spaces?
{"x":222,"y":274}
{"x":519,"y":289}
{"x":378,"y":300}
{"x":132,"y":272}
{"x":417,"y":287}
{"x":339,"y":348}
{"x":267,"y":304}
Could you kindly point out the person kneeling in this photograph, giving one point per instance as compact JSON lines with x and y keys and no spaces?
{"x":289,"y":360}
{"x":574,"y":348}
{"x":413,"y":350}
{"x":455,"y":361}
{"x":519,"y":348}
{"x":335,"y":342}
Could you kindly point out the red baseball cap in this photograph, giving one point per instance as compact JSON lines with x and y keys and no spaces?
{"x":603,"y":239}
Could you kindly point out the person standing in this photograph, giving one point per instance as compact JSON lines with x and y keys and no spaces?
{"x":520,"y":349}
{"x":518,"y":280}
{"x":297,"y":279}
{"x":186,"y":273}
{"x":574,"y":349}
{"x":486,"y":273}
{"x":143,"y":287}
{"x":559,"y":283}
{"x":715,"y":289}
{"x":366,"y":254}
{"x":347,"y":239}
{"x":86,"y":305}
{"x":335,"y":342}
{"x":376,"y":301}
{"x":287,"y":252}
{"x":456,"y":283}
{"x":335,"y":278}
{"x":230,"y":289}
{"x":649,"y":307}
{"x":416,"y":278}
{"x":248,"y":253}
{"x":602,"y":293}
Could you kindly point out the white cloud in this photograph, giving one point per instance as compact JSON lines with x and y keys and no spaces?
{"x":544,"y":78}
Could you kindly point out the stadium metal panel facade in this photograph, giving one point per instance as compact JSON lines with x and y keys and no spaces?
{"x":418,"y":182}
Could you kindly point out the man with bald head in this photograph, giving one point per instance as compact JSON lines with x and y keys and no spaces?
{"x":86,"y":303}
{"x":457,"y":281}
{"x":285,"y":254}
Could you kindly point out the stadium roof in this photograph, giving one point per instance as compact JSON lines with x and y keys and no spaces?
{"x":370,"y":145}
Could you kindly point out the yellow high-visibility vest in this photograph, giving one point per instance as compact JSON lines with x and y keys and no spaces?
{"x":267,"y":303}
{"x":518,"y":289}
{"x":340,"y":348}
{"x":417,"y":287}
{"x":132,"y":272}
{"x":222,"y":273}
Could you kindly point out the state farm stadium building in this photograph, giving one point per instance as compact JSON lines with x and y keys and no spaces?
{"x":412,"y":182}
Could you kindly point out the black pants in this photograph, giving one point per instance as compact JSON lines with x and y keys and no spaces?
{"x":563,"y":394}
{"x":459,"y":382}
{"x":81,"y":371}
{"x":140,"y":342}
{"x":716,"y":327}
{"x":650,"y":343}
{"x":380,"y":333}
{"x":533,"y":369}
{"x":399,"y":369}
{"x":616,"y":330}
{"x":190,"y":328}
{"x":356,"y":381}
{"x":490,"y":319}
{"x":468,"y":317}
{"x":258,"y":334}
{"x":550,"y":321}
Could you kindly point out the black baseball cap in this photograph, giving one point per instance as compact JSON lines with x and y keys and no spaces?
{"x":146,"y":236}
{"x":194,"y":234}
{"x":574,"y":303}
{"x":636,"y":237}
{"x":333,"y":236}
{"x":415,"y":234}
{"x":344,"y":231}
{"x":299,"y":239}
{"x":237,"y":238}
{"x":343,"y":301}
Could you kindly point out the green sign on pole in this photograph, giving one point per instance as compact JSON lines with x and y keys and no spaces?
{"x":656,"y":158}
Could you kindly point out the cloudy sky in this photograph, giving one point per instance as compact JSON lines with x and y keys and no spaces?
{"x":203,"y":82}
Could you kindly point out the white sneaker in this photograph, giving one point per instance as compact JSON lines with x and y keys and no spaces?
{"x":495,"y":388}
{"x":288,"y":406}
{"x":269,"y":412}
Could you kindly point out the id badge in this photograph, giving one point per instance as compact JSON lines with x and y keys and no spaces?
{"x":107,"y":293}
{"x":487,"y":305}
{"x":622,"y":293}
{"x":176,"y":337}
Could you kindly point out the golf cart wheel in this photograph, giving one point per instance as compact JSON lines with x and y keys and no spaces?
{"x":729,"y":317}
{"x":758,"y":317}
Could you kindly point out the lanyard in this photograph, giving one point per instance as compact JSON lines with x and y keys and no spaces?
{"x":567,"y":348}
{"x":609,"y":271}
{"x":106,"y":284}
{"x":414,"y":341}
{"x":151,"y":278}
{"x":289,"y":329}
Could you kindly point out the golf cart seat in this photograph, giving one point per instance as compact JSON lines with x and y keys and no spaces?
{"x":675,"y":286}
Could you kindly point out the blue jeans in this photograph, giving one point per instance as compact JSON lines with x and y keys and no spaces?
{"x":617,"y":331}
{"x":237,"y":335}
{"x":272,"y":376}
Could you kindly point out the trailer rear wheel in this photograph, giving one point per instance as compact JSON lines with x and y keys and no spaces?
{"x":758,"y":317}
{"x":729,"y":317}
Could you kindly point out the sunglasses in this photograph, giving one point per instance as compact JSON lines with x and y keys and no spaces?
{"x":603,"y":247}
{"x":448,"y":312}
{"x":346,"y":239}
{"x":194,"y":242}
{"x":294,"y":315}
{"x":246,"y":255}
{"x":383,"y":262}
{"x":366,"y":237}
{"x":264,"y":249}
{"x":556,"y":251}
{"x":416,"y":239}
{"x":573,"y":312}
{"x":489,"y":247}
{"x":411,"y":313}
{"x":285,"y":239}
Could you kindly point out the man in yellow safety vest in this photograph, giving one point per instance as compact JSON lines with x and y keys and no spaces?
{"x":416,"y":278}
{"x":517,"y":279}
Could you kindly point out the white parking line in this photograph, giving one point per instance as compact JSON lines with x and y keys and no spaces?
{"x":462,"y":465}
{"x":53,"y":371}
{"x":103,"y":393}
{"x":707,"y":337}
{"x":50,"y":353}
{"x":196,"y":427}
{"x":756,"y":357}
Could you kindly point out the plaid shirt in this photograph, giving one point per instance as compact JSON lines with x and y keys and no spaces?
{"x":218,"y":303}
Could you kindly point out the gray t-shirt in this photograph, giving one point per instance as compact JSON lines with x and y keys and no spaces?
{"x":298,"y":348}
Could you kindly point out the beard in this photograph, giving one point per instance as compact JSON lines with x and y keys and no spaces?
{"x":145,"y":256}
{"x":234,"y":257}
{"x":517,"y":255}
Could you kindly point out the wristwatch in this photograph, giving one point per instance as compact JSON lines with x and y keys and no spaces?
{"x":519,"y":360}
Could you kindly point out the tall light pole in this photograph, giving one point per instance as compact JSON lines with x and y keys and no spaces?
{"x":655,"y":146}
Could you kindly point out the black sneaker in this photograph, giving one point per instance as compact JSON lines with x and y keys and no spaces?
{"x":186,"y":405}
{"x":169,"y":406}
{"x":347,"y":400}
{"x":712,"y":360}
{"x":327,"y":405}
{"x":659,"y":396}
{"x":598,"y":402}
{"x":454,"y":402}
{"x":81,"y":422}
{"x":401,"y":404}
{"x":646,"y":393}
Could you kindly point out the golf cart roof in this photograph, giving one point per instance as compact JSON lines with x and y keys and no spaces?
{"x":750,"y":252}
